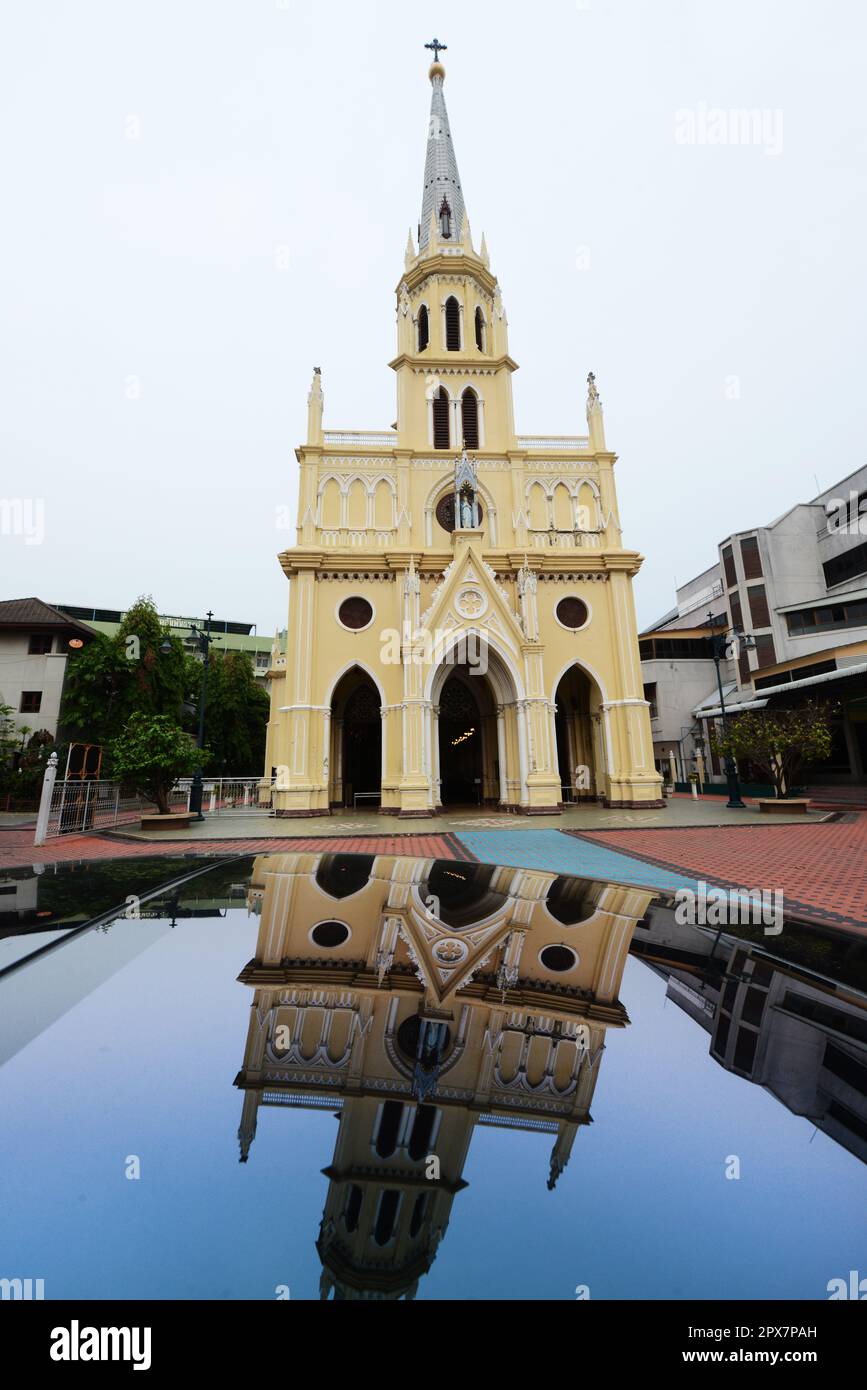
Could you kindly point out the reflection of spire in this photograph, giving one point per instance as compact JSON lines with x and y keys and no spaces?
{"x":561,"y":1152}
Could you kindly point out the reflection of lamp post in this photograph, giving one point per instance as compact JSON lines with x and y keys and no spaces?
{"x":719,"y":645}
{"x":204,"y":640}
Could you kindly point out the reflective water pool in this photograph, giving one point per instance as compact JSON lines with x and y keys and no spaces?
{"x":345,"y":1077}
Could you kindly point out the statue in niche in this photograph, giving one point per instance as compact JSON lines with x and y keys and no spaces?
{"x":466,"y":505}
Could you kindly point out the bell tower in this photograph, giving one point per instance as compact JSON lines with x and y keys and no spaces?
{"x":453,"y":365}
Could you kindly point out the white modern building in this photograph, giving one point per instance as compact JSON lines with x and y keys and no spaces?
{"x":798,"y":586}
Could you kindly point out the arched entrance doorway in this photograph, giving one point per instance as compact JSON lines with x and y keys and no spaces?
{"x":469,"y":770}
{"x":579,"y":737}
{"x":356,"y":742}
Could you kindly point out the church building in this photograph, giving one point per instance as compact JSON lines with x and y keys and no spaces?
{"x":461,"y":622}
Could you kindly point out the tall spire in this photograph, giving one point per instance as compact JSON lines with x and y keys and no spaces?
{"x":443,"y":199}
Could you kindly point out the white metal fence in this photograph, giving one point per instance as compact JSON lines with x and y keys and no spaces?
{"x":229,"y":796}
{"x":74,"y":807}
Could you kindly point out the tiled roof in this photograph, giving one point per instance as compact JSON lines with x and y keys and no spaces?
{"x":32,"y":612}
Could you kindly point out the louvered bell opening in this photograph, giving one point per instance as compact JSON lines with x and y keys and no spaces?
{"x":423,"y":328}
{"x":480,"y":331}
{"x":453,"y":325}
{"x":470,"y":418}
{"x":441,"y":420}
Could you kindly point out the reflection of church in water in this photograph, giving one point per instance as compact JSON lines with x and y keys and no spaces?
{"x":417,"y":999}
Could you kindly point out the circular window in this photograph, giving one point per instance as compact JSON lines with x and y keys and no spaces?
{"x":355,"y":613}
{"x":408,"y":1038}
{"x":329,"y":935}
{"x":572,"y":613}
{"x":445,"y":512}
{"x":559,"y":959}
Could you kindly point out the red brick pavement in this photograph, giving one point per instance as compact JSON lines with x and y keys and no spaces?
{"x":17,"y":849}
{"x":820,"y":868}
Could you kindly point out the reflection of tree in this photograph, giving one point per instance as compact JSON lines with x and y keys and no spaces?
{"x":81,"y":891}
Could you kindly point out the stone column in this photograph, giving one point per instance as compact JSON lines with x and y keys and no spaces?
{"x":501,"y":754}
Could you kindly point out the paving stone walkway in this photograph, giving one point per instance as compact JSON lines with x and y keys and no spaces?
{"x":821,"y":867}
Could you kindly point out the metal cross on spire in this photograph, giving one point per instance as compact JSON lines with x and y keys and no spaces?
{"x":437,"y":48}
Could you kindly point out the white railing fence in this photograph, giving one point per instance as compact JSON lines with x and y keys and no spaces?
{"x":76,"y":807}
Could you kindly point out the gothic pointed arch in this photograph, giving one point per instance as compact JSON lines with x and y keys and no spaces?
{"x":442,"y":435}
{"x":470,"y":418}
{"x":423,"y":328}
{"x":453,"y":324}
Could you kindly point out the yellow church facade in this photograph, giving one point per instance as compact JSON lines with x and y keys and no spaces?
{"x":461,"y":623}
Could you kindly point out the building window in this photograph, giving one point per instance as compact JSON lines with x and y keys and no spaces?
{"x":31,"y":701}
{"x":674,"y":649}
{"x":846,"y":566}
{"x":765,"y":652}
{"x":729,"y":566}
{"x":40,"y":644}
{"x":355,"y":614}
{"x":572,"y":613}
{"x":417,"y":1214}
{"x":453,"y":325}
{"x":390,"y":1124}
{"x":386,"y":1217}
{"x":650,"y":697}
{"x":736,"y":612}
{"x":423,"y":328}
{"x":441,"y":431}
{"x":353,"y":1208}
{"x":744,"y":668}
{"x":558,"y":959}
{"x":470,"y":418}
{"x":480,"y":330}
{"x":758,"y":600}
{"x":750,"y":558}
{"x":329,"y":935}
{"x":807,"y":621}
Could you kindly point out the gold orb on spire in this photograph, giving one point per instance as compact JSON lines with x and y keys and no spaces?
{"x":436,"y":70}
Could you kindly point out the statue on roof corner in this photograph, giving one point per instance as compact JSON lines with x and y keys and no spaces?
{"x":466,"y":505}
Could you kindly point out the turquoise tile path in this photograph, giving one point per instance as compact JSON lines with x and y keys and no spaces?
{"x":564,"y":854}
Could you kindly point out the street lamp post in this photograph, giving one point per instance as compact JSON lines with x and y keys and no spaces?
{"x":720,"y":644}
{"x":204,"y":640}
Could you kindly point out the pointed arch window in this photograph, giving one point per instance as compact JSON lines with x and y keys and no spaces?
{"x":418,"y":1213}
{"x":423,"y":328}
{"x":386,"y":1216}
{"x":480,"y":330}
{"x":390,"y":1122}
{"x":441,"y":431}
{"x":453,"y":325}
{"x":445,"y":220}
{"x":470,"y":418}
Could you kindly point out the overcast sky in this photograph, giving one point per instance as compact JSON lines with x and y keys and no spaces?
{"x":204,"y":199}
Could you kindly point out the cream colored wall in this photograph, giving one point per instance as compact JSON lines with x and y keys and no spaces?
{"x":367,"y":509}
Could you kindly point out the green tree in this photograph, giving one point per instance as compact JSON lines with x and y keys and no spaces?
{"x":236,"y":715}
{"x":10,"y":742}
{"x":778,"y":742}
{"x":151,"y":754}
{"x":113,"y":678}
